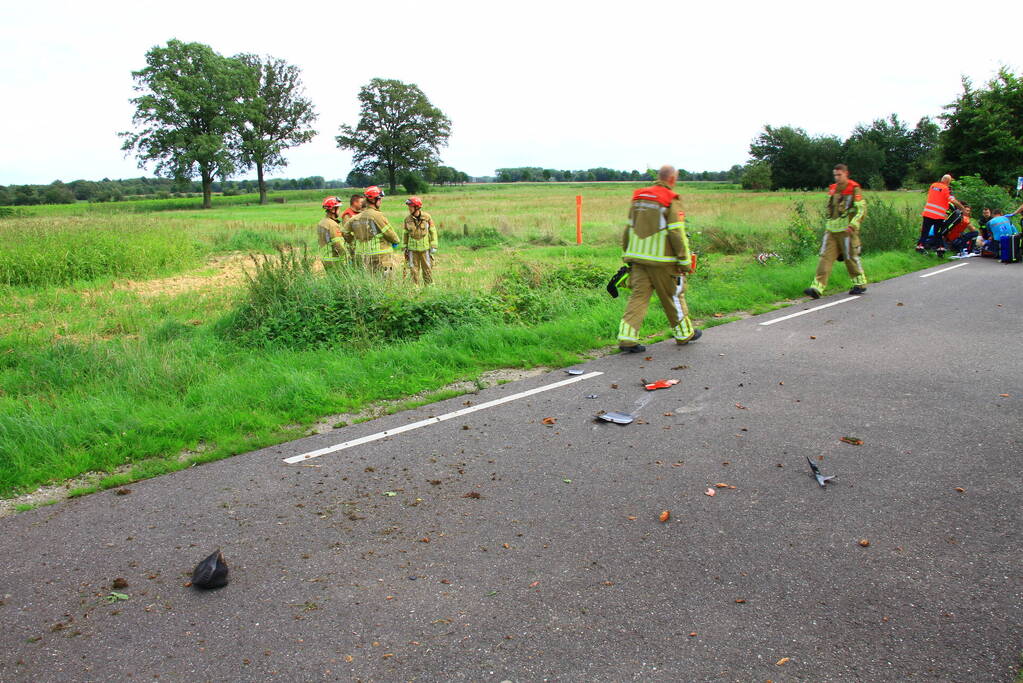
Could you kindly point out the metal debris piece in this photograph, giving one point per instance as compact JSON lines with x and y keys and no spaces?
{"x":821,"y":479}
{"x":617,"y":418}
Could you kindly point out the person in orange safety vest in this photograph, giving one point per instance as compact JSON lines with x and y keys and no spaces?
{"x":936,"y":215}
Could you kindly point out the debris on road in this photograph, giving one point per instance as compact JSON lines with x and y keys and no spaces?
{"x":211,"y":572}
{"x":782,"y":662}
{"x":852,"y":440}
{"x":816,"y":473}
{"x":661,"y":384}
{"x":865,"y":542}
{"x":665,"y":516}
{"x":710,"y":492}
{"x":592,"y":396}
{"x":550,"y":420}
{"x":574,"y":371}
{"x":617,"y":418}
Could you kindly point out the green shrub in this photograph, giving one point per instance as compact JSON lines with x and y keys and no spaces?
{"x":414,"y":183}
{"x":886,"y":228}
{"x":972,"y":190}
{"x":288,"y":305}
{"x":804,"y":232}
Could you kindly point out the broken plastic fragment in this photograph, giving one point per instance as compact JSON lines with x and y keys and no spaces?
{"x":617,"y":418}
{"x":211,"y":572}
{"x":574,"y":371}
{"x":661,"y":384}
{"x":821,"y":479}
{"x":592,"y":396}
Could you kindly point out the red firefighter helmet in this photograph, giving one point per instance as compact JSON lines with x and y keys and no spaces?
{"x":415,"y":202}
{"x":373,"y":192}
{"x":331,"y":203}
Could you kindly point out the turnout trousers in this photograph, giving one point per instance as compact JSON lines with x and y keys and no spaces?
{"x":420,"y":262}
{"x":848,"y":246}
{"x":644,"y":280}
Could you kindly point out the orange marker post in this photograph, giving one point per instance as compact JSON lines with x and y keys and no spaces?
{"x":578,"y":219}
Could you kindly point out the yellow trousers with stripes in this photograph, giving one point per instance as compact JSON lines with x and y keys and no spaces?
{"x":835,"y":243}
{"x":644,"y":280}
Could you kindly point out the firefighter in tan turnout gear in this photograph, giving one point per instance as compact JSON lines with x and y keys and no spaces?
{"x":328,"y":234}
{"x":657,"y":251}
{"x":419,"y":241}
{"x":845,"y":211}
{"x":371,"y":234}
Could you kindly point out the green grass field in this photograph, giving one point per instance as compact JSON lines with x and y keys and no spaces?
{"x":136,"y":338}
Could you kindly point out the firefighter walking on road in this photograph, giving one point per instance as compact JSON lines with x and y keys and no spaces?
{"x":419,"y":241}
{"x":845,"y":212}
{"x":657,"y":251}
{"x":371,"y":234}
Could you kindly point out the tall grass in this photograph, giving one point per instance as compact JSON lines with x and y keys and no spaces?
{"x":43,"y":251}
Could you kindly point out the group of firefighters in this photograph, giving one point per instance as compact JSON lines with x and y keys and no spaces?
{"x":654,"y":244}
{"x":363,"y":236}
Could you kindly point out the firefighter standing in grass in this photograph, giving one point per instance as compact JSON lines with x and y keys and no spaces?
{"x":657,"y":251}
{"x":328,"y":234}
{"x":845,"y":212}
{"x":371,"y":234}
{"x":355,"y":204}
{"x":419,"y":241}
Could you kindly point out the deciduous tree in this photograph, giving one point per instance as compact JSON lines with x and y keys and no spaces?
{"x":984,"y":130}
{"x":275,"y":115}
{"x":398,"y":130}
{"x":187,"y":113}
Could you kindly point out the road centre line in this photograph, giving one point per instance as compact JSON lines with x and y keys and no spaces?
{"x":434,"y":420}
{"x":811,"y":310}
{"x":945,"y":270}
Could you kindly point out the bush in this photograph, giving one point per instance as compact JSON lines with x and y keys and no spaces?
{"x":756,"y":176}
{"x":803,"y":235}
{"x":885,"y":228}
{"x":288,"y":305}
{"x":414,"y":183}
{"x":978,"y":194}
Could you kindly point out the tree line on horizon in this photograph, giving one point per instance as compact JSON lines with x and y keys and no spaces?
{"x":107,"y":190}
{"x":981,"y":133}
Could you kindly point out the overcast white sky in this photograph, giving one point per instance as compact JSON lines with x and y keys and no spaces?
{"x":553,"y":84}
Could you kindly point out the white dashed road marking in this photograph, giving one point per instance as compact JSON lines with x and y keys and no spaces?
{"x":434,"y":420}
{"x":945,"y":270}
{"x":811,"y":310}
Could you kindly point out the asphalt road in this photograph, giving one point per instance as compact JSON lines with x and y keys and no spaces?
{"x":560,"y":569}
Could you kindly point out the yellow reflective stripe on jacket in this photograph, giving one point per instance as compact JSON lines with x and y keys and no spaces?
{"x":650,"y":248}
{"x":371,"y":247}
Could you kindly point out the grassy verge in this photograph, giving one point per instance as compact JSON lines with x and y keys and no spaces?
{"x":172,"y":393}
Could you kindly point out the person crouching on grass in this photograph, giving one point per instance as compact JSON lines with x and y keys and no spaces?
{"x":845,"y":211}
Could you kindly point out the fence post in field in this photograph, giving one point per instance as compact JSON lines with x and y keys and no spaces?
{"x":578,"y":219}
